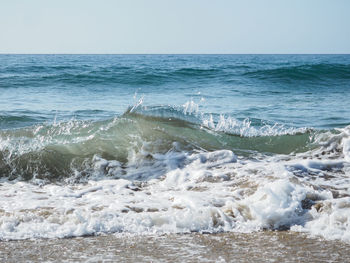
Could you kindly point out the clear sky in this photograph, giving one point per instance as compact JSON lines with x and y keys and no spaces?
{"x":175,"y":26}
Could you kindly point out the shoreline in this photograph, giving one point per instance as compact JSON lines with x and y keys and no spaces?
{"x":265,"y":246}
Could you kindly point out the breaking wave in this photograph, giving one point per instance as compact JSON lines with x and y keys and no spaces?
{"x":61,"y":150}
{"x":178,"y":191}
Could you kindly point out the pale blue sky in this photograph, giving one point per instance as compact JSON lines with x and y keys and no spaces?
{"x":177,"y":26}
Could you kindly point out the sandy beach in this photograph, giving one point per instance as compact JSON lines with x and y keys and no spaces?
{"x":265,"y":246}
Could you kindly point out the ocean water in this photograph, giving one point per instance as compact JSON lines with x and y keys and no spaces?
{"x":172,"y":144}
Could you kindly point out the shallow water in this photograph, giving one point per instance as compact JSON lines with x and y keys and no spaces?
{"x":229,"y":247}
{"x":236,"y":146}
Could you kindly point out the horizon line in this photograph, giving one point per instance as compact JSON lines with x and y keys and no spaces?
{"x":63,"y":53}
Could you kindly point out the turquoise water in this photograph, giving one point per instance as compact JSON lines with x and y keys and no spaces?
{"x":296,"y":90}
{"x":96,"y":144}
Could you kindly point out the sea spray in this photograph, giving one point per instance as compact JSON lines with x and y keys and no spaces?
{"x":211,"y":144}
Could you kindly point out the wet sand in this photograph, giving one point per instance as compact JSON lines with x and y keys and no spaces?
{"x":267,"y":246}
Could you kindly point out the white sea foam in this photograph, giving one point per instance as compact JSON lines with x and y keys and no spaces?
{"x":178,"y":191}
{"x":183,"y":192}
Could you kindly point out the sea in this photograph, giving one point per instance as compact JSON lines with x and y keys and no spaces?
{"x":175,"y":154}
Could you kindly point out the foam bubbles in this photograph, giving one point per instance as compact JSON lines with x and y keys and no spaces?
{"x":191,"y":192}
{"x":162,"y":185}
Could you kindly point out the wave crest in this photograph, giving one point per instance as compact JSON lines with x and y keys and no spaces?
{"x":306,"y":72}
